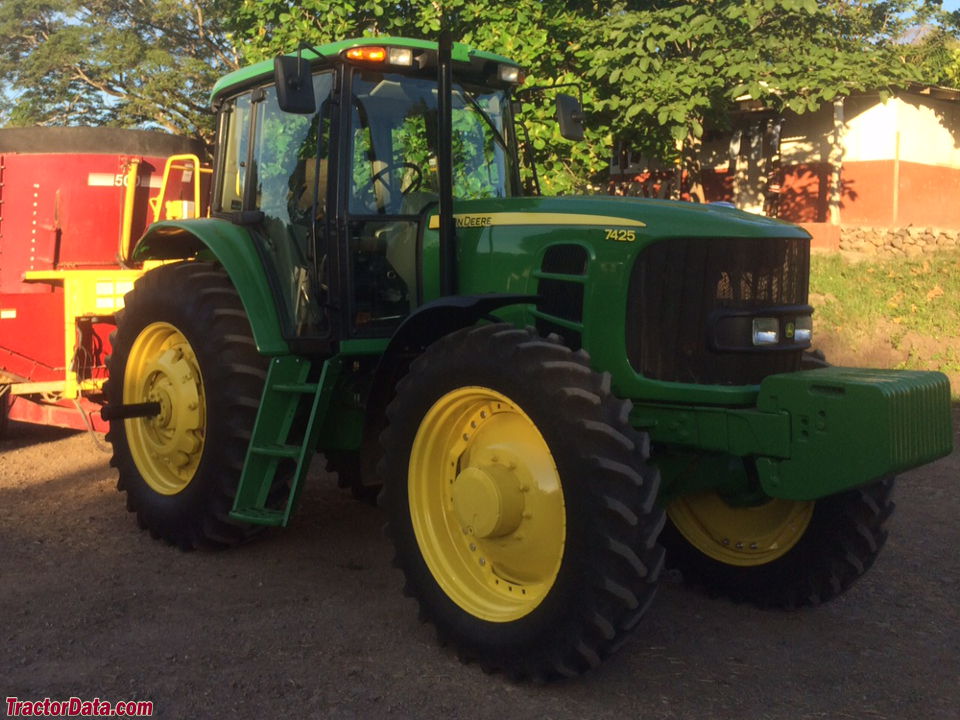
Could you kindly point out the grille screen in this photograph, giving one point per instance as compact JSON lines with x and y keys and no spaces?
{"x":677,"y":284}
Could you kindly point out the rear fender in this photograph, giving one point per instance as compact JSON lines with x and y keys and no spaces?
{"x":232,"y":246}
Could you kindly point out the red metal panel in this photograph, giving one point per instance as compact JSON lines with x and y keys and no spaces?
{"x":65,"y":415}
{"x":31,"y":334}
{"x":65,"y":211}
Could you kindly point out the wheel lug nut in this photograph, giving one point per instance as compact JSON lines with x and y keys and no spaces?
{"x":739,"y":546}
{"x":482,"y":562}
{"x":725,"y":541}
{"x":473,"y":547}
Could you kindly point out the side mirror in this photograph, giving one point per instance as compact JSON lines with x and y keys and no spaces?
{"x":570,"y":117}
{"x":294,"y":85}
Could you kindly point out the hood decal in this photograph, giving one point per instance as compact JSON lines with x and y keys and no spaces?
{"x":480,"y":220}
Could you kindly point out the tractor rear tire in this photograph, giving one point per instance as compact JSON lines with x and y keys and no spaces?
{"x":184,"y":340}
{"x":520,"y":502}
{"x":837,"y":545}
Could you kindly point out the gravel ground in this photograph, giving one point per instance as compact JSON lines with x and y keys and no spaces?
{"x":310,"y":620}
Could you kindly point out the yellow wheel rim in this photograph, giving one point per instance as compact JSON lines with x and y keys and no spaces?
{"x":744,"y":536}
{"x":486,"y":504}
{"x":162,"y":367}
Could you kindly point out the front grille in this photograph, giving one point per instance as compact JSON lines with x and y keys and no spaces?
{"x":678,"y":285}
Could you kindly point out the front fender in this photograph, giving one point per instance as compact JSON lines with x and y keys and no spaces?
{"x":232,"y":246}
{"x":425,"y":325}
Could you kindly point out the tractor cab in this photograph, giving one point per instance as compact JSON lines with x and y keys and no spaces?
{"x":338,"y":195}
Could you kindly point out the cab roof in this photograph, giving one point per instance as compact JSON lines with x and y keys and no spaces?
{"x":264,"y":69}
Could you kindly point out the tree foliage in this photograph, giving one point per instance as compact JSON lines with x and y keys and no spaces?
{"x":114,"y":62}
{"x":672,"y":67}
{"x":544,"y":36}
{"x":936,"y":49}
{"x":653,"y":72}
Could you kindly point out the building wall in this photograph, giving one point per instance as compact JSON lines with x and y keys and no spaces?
{"x":900,"y":165}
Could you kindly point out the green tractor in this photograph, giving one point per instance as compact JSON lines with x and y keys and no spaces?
{"x":555,"y":394}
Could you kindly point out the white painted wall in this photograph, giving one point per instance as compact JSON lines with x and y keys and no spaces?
{"x":925,"y":131}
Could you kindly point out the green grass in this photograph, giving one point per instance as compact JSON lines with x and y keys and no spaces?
{"x":922,"y":295}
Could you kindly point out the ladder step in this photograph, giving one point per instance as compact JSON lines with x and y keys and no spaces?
{"x":278,"y":451}
{"x":287,"y":395}
{"x":258,"y":516}
{"x":305,"y":388}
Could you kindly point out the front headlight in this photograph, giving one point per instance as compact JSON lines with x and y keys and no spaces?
{"x":804,"y":329}
{"x":766,"y":331}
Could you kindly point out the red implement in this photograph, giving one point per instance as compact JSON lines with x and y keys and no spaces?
{"x":73,"y":202}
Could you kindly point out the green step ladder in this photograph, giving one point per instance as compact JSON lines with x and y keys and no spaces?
{"x":285,"y":395}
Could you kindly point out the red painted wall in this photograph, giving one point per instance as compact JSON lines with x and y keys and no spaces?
{"x":929,"y":196}
{"x":869,"y":200}
{"x":717,"y":185}
{"x":803,"y":194}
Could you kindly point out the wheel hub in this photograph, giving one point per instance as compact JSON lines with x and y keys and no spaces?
{"x":486,"y":504}
{"x":488,"y":501}
{"x":167,"y":447}
{"x":743,"y":536}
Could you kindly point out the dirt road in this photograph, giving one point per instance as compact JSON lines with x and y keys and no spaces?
{"x":310,"y":621}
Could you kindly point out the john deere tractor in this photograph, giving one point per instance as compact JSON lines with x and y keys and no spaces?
{"x":555,"y":394}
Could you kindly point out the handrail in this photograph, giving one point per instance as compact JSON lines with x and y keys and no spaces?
{"x":156,"y":204}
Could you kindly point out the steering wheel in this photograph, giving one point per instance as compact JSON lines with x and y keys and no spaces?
{"x":414,"y":184}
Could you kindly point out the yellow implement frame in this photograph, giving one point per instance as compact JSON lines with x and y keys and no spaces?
{"x":86,"y":294}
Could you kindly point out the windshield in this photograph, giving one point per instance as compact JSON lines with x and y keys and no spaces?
{"x":394,"y":144}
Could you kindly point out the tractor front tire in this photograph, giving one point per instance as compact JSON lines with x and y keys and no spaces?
{"x":184,"y":341}
{"x":520,"y":502}
{"x":822,"y":547}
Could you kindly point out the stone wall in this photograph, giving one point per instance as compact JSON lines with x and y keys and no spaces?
{"x":890,"y":242}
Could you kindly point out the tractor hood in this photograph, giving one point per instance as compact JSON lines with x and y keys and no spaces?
{"x":647,"y":218}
